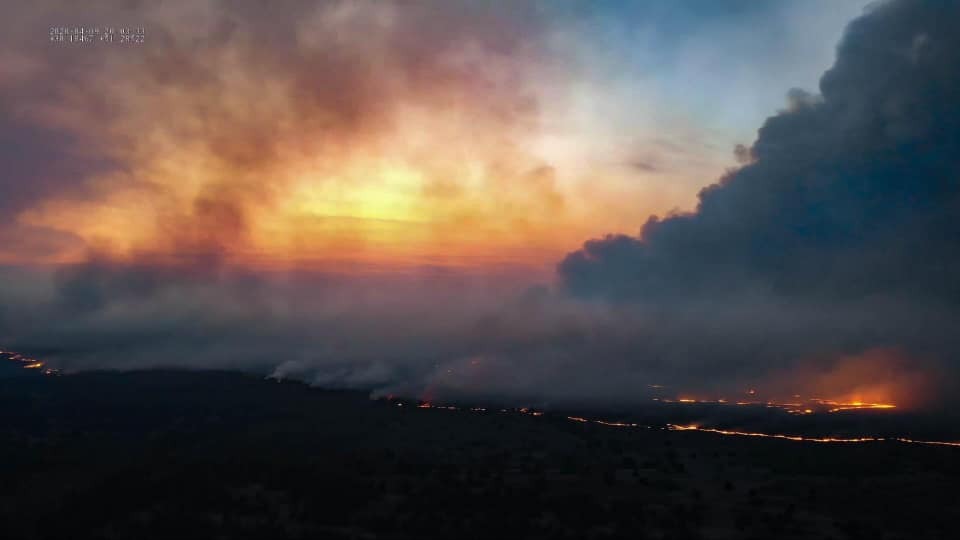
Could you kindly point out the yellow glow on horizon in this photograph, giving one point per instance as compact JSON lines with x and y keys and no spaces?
{"x":433,"y":183}
{"x":384,"y":193}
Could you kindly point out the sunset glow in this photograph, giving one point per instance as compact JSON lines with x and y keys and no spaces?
{"x":454,"y":166}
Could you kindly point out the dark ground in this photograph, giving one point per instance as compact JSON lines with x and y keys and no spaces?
{"x":218,"y":455}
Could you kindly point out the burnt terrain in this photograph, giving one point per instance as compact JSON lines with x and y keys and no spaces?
{"x":167,"y":454}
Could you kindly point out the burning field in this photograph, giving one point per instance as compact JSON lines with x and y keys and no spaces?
{"x":824,"y":407}
{"x":163,"y":454}
{"x":751,"y":414}
{"x":10,"y":360}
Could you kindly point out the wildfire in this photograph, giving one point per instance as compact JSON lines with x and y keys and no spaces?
{"x":727,"y":432}
{"x":615,"y":424}
{"x":694,"y":427}
{"x":428,"y":405}
{"x":879,"y":379}
{"x":854,"y":405}
{"x":27,"y":362}
{"x":797,"y":406}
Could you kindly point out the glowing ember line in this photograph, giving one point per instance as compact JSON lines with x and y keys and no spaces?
{"x":674,"y":427}
{"x":26,"y":362}
{"x":615,"y":424}
{"x":936,"y":443}
{"x":724,"y":432}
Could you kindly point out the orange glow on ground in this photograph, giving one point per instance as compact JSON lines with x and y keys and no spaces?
{"x":27,"y":362}
{"x":716,"y":431}
{"x":797,"y":406}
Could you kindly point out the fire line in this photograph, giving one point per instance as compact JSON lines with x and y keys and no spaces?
{"x":716,"y":431}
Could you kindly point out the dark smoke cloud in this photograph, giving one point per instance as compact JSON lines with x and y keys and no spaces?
{"x":843,"y":223}
{"x":851,"y":194}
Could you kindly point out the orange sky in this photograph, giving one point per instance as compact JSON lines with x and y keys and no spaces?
{"x":364,"y":137}
{"x":448,"y":184}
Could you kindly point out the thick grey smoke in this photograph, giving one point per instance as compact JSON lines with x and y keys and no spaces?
{"x":837,"y":237}
{"x":840,"y":232}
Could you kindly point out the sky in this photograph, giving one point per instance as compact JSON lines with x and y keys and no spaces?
{"x":550,"y":200}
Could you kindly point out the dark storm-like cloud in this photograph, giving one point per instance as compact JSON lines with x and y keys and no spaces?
{"x":851,"y":194}
{"x":840,"y":231}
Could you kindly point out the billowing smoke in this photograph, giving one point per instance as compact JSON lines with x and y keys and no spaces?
{"x":840,"y":232}
{"x":828,"y":255}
